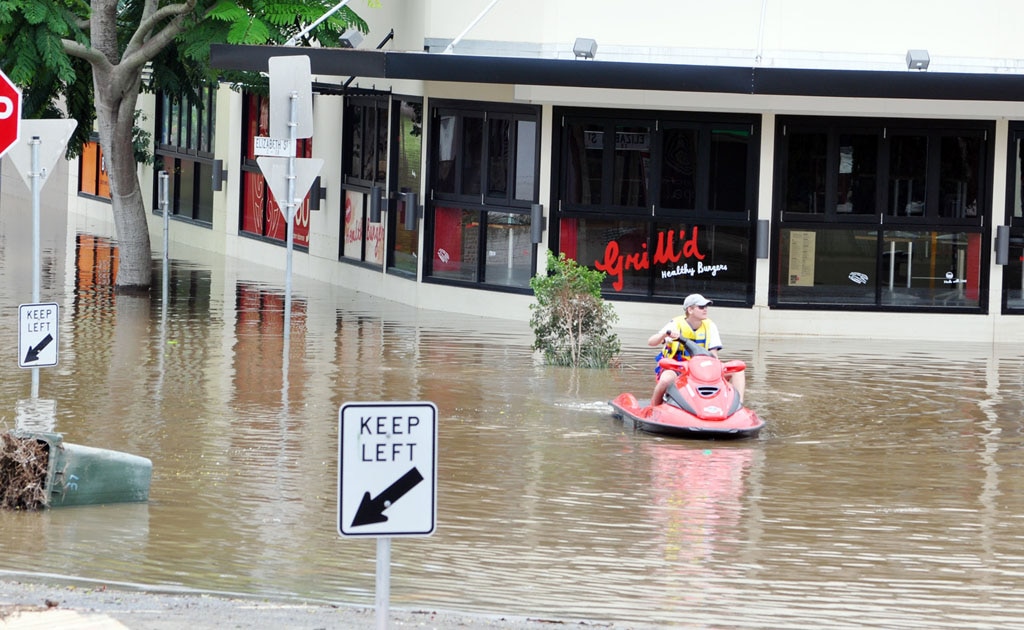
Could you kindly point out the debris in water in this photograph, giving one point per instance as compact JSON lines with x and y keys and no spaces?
{"x":23,"y":466}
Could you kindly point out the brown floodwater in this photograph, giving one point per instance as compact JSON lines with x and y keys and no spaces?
{"x":887,"y":488}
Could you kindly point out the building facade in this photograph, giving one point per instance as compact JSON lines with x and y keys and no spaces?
{"x":812,"y":169}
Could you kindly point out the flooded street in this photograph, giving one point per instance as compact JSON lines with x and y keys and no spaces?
{"x":885,"y":490}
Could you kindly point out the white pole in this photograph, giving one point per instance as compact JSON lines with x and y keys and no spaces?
{"x":383,"y":595}
{"x":165,"y":209}
{"x":36,"y":253}
{"x":290,"y":210}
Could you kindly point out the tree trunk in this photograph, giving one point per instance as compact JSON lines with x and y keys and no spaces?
{"x":115,"y":117}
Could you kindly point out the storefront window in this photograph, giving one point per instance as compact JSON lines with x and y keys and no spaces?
{"x":857,"y":175}
{"x":907,"y":175}
{"x":683,"y":190}
{"x":485,"y":173}
{"x":456,"y":243}
{"x":1013,"y":271}
{"x":408,"y":150}
{"x":709,"y":259}
{"x":525,"y":180}
{"x":615,"y":246}
{"x":805,"y":172}
{"x":915,"y":269}
{"x":728,"y":166}
{"x":366,"y":136}
{"x":679,"y":169}
{"x":362,"y":240}
{"x":509,"y":260}
{"x":260,"y":215}
{"x":827,"y":266}
{"x":185,"y":132}
{"x":1013,"y":277}
{"x":925,"y":246}
{"x":471,"y":158}
{"x":584,"y":171}
{"x":931,"y":268}
{"x":630,"y":178}
{"x":958,"y":178}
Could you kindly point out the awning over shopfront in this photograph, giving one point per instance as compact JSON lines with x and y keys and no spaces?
{"x":423,"y":66}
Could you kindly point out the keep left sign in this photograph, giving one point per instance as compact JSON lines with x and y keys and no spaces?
{"x":38,"y":335}
{"x":387,"y":471}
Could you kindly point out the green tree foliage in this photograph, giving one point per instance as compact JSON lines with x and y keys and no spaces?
{"x":571,"y":321}
{"x":85,"y":59}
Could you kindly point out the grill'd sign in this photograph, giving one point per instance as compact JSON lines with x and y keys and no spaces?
{"x":387,"y":473}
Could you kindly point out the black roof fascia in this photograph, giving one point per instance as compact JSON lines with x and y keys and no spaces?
{"x":632,"y":75}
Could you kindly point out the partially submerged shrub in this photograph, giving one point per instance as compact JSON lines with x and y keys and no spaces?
{"x":23,"y":465}
{"x":571,"y":321}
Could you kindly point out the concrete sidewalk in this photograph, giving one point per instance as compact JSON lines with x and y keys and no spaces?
{"x":25,"y":606}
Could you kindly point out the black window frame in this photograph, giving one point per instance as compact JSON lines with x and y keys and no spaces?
{"x":654,"y":215}
{"x":370,"y":111}
{"x":882,"y":221}
{"x":1013,"y":271}
{"x":185,"y":132}
{"x":481,"y":202}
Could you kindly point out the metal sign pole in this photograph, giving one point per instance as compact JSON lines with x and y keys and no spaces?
{"x":36,"y":253}
{"x":382,"y":600}
{"x":290,"y":211}
{"x":164,"y":207}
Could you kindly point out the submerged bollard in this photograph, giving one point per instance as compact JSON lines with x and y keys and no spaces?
{"x":83,"y":475}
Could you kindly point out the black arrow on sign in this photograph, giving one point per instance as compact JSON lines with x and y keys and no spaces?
{"x":372,"y":510}
{"x":33,"y":353}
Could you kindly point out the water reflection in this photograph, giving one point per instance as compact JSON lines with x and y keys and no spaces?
{"x":883,"y":491}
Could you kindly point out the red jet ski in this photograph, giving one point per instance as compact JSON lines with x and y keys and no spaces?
{"x":700,"y":404}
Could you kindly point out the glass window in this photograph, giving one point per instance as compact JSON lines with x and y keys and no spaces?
{"x":362,"y":240}
{"x":584,"y":164}
{"x":900,"y":176}
{"x":445,"y":162}
{"x":827,"y":266}
{"x":456,"y":243}
{"x":679,"y":169}
{"x":959,"y":165}
{"x":526,"y":160}
{"x":480,"y":207}
{"x":806,"y":161}
{"x":630,"y":180}
{"x":728,"y":170}
{"x":357,"y":130}
{"x":260,"y":214}
{"x":365,"y":133}
{"x":908,"y":168}
{"x":1017,"y":182}
{"x":499,"y":156}
{"x":185,"y":151}
{"x":409,"y":151}
{"x":509,"y":260}
{"x":858,"y":173}
{"x":472,"y":158}
{"x":614,"y":246}
{"x":930,"y":268}
{"x":1013,"y":272}
{"x":708,"y":259}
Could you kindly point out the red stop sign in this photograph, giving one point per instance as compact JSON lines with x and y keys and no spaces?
{"x":10,"y":113}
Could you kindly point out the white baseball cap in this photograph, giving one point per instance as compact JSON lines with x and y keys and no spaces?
{"x":695,"y":299}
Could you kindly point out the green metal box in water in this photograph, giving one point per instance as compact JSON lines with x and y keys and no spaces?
{"x":83,"y":475}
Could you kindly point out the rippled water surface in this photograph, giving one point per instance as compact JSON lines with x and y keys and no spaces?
{"x":886,"y":488}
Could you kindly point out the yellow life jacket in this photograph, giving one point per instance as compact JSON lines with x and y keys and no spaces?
{"x":676,"y":349}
